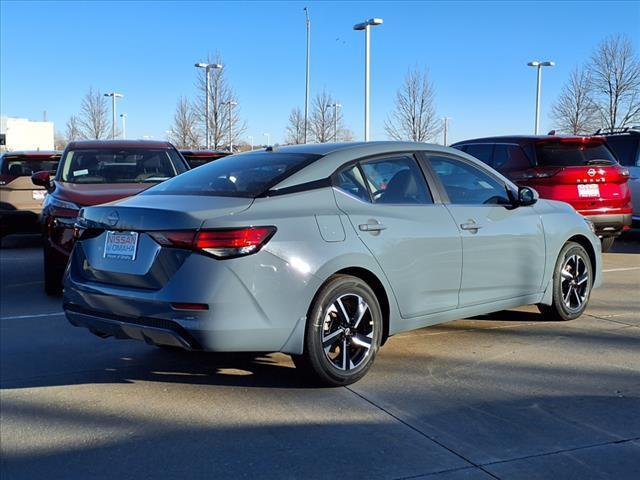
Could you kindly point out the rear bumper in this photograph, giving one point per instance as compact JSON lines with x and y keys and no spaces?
{"x":150,"y":330}
{"x":608,"y":225}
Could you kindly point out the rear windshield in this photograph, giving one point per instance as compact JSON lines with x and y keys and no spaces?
{"x":556,"y":154}
{"x":131,"y":165}
{"x":244,"y":175}
{"x":26,"y":166}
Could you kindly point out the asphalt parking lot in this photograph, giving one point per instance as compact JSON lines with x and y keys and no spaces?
{"x":504,"y":396}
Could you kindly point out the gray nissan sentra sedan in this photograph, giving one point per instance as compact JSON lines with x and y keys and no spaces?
{"x":323,"y":252}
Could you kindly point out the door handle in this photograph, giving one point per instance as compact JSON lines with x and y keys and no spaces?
{"x":470,"y":225}
{"x":371,"y":227}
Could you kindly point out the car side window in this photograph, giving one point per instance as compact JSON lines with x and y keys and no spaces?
{"x":482,"y":151}
{"x":397,"y":180}
{"x":509,"y":158}
{"x":350,"y":180}
{"x":466,"y":184}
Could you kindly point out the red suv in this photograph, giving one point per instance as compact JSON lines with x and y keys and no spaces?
{"x":581,"y":171}
{"x":90,"y":173}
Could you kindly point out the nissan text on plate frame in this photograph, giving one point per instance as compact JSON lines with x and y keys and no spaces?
{"x":323,"y":252}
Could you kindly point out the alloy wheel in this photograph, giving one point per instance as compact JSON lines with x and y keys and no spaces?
{"x":347,"y":332}
{"x":574,"y":282}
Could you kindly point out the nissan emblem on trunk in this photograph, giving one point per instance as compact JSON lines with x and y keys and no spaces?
{"x":112,"y":218}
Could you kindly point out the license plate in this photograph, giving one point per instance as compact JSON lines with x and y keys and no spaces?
{"x":589,"y":190}
{"x":38,"y":194}
{"x":121,"y":245}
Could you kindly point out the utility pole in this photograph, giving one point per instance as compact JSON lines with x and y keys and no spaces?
{"x":114,"y":126}
{"x":445,"y":120}
{"x":366,"y":26}
{"x":306,"y":91}
{"x":207,"y":68}
{"x":335,"y":106}
{"x":539,"y":66}
{"x":123,"y":116}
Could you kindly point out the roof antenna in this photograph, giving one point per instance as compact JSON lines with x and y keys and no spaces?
{"x":551,"y":132}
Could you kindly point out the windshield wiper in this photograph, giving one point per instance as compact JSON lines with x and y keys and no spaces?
{"x":601,"y":161}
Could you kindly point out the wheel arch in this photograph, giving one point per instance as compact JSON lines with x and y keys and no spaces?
{"x":585,"y":243}
{"x":376,"y":285}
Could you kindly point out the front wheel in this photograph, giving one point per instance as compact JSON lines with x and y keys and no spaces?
{"x":572,"y":280}
{"x":344,"y":332}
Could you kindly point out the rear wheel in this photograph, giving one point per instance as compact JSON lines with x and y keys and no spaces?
{"x":53,"y":271}
{"x":343,"y":333}
{"x":572,"y":280}
{"x":607,"y":243}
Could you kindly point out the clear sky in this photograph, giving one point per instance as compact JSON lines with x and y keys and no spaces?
{"x":476,"y":54}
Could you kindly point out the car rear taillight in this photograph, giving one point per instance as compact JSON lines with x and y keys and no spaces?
{"x":220,"y":243}
{"x":5,"y":179}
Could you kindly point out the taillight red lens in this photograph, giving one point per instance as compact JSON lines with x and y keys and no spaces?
{"x":178,"y":238}
{"x":222,"y":243}
{"x":233,"y":242}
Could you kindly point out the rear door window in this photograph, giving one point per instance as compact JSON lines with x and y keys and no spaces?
{"x":573,"y":154}
{"x":626,"y":149}
{"x":350,"y":180}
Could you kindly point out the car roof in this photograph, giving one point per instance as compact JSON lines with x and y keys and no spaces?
{"x":522,"y":139}
{"x":82,"y":144}
{"x":334,"y":155}
{"x":33,"y":153}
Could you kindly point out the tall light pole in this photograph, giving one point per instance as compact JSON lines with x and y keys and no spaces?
{"x":335,"y":106}
{"x":113,"y":96}
{"x":207,"y":68}
{"x":306,"y":90}
{"x":366,"y":26}
{"x":251,"y":140}
{"x":445,"y":122}
{"x":268,"y":135}
{"x":123,"y":116}
{"x":539,"y":66}
{"x":230,"y":104}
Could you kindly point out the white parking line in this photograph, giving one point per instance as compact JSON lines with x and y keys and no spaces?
{"x":620,"y":269}
{"x":18,"y":317}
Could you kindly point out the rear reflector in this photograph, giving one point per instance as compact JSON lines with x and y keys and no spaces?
{"x":190,"y":306}
{"x":221,"y":243}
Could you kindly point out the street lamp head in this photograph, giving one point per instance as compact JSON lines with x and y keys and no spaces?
{"x":372,"y":22}
{"x":114,"y":94}
{"x":536,"y":63}
{"x":548,"y":64}
{"x":533,"y":64}
{"x":208,"y":66}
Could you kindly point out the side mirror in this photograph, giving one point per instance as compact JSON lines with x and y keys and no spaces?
{"x":42,"y":179}
{"x":527,"y":196}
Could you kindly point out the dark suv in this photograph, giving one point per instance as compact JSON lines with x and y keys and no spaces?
{"x":581,"y":171}
{"x":625,"y":144}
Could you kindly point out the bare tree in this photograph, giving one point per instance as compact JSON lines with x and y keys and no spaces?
{"x":59,"y":141}
{"x":72,"y":130}
{"x":324,"y":126}
{"x":184,"y":131}
{"x":615,"y":82}
{"x":93,"y":121}
{"x":294,"y":134}
{"x":220,"y":92}
{"x":575,"y":112}
{"x":414,"y":116}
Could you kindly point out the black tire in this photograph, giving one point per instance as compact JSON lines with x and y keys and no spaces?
{"x":571,"y":291}
{"x":607,"y":243}
{"x":360,"y":331}
{"x":54,"y":266}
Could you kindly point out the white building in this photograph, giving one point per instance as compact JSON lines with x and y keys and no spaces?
{"x":24,"y":134}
